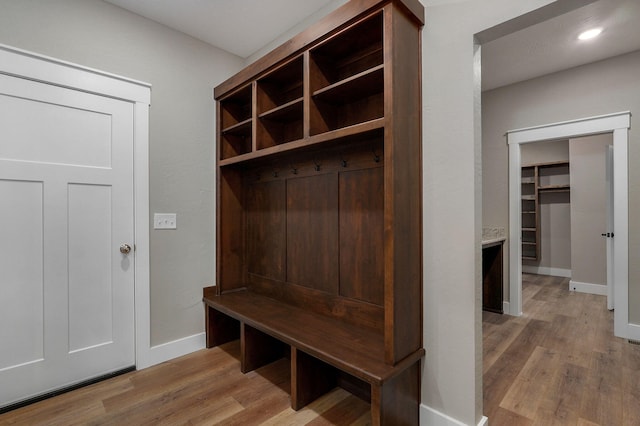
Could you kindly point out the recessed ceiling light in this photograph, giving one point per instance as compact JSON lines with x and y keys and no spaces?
{"x":589,"y":34}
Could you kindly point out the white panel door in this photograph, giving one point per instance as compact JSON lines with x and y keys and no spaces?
{"x":66,"y":206}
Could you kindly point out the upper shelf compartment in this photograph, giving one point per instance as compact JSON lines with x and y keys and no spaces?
{"x":236,"y":126}
{"x":347,"y":77}
{"x":333,"y":88}
{"x":280,"y":105}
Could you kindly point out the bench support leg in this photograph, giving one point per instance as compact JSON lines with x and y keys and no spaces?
{"x":310,"y":378}
{"x":220,"y":328}
{"x":397,"y":401}
{"x":257,"y":348}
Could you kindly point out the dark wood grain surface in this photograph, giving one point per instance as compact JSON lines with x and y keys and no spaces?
{"x":355,"y":350}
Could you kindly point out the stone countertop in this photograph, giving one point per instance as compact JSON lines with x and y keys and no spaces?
{"x":492,"y":235}
{"x":493,"y":241}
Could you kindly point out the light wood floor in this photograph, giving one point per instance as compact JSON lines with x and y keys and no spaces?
{"x":203,"y":388}
{"x":557,"y":364}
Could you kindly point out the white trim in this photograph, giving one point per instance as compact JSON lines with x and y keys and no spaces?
{"x":546,"y":270}
{"x":515,"y":233}
{"x":573,"y":128}
{"x":174,"y":349}
{"x":25,"y":64}
{"x":621,"y":232}
{"x":634,"y":332}
{"x":590,"y":288}
{"x":506,"y":308}
{"x":431,"y":417}
{"x":618,"y":123}
{"x":33,"y":66}
{"x":610,"y":247}
{"x":142,"y":250}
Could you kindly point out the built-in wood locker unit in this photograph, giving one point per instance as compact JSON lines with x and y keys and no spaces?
{"x":319,"y":216}
{"x":538,"y":179}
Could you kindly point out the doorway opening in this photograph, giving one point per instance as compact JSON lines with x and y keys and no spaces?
{"x":617,"y":124}
{"x":565,"y":212}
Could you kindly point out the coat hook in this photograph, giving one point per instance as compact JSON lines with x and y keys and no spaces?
{"x":275,"y":173}
{"x":317,"y":165}
{"x":294,"y":170}
{"x":344,"y":163}
{"x":376,"y":156}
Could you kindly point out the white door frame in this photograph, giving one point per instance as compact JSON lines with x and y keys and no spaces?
{"x":609,"y":229}
{"x":618,"y":124}
{"x":24,"y":64}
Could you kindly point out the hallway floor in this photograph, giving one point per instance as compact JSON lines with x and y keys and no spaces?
{"x":559,"y":363}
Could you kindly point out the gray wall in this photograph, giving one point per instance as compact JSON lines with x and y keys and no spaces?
{"x":452,"y":184}
{"x":554,"y":211}
{"x":299,"y":27}
{"x":544,"y":152}
{"x":588,"y":208}
{"x":183,"y":72}
{"x":600,"y":88}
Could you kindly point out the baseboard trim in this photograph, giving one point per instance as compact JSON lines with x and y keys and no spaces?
{"x":506,"y":307}
{"x":590,"y":288}
{"x":177,"y":348}
{"x":544,"y":270}
{"x":633,"y":332}
{"x":431,"y":417}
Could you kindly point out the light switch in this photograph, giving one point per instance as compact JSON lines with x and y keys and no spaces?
{"x":164,"y":221}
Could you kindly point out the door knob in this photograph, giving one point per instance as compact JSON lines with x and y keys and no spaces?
{"x":125,"y":248}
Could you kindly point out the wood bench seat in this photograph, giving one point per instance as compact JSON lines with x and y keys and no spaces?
{"x":322,"y":349}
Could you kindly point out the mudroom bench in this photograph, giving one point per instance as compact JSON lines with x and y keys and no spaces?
{"x":324,"y":352}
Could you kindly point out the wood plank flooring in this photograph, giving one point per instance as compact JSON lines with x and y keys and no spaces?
{"x":203,"y":388}
{"x":559,"y":363}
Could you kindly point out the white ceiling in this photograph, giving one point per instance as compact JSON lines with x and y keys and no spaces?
{"x":553,"y":45}
{"x":238,"y":26}
{"x":243,"y":27}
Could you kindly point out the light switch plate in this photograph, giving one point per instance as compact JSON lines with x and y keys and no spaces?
{"x":164,"y":221}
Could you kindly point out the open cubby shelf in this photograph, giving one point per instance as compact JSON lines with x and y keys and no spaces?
{"x":284,"y":113}
{"x":348,"y":53}
{"x":538,"y":179}
{"x":359,"y":86}
{"x":346,"y":87}
{"x":554,"y":188}
{"x":280,"y":107}
{"x":281,"y":85}
{"x":348,"y":134}
{"x":318,"y":215}
{"x":243,"y":128}
{"x":236,"y":109}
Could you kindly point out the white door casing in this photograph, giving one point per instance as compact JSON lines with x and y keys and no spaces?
{"x":618,"y":124}
{"x":69,"y":137}
{"x":609,"y":231}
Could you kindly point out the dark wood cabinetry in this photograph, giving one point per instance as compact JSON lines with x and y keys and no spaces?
{"x":492,"y":277}
{"x":319,"y":209}
{"x":236,"y":125}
